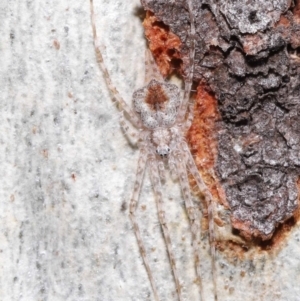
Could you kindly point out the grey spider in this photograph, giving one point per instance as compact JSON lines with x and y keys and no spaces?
{"x":162,"y":119}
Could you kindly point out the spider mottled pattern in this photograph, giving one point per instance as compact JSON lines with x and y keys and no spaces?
{"x":161,"y":118}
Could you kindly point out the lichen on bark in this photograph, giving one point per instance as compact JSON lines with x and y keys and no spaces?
{"x":247,"y":53}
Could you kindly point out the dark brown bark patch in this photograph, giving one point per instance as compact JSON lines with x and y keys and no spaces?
{"x":248,"y":54}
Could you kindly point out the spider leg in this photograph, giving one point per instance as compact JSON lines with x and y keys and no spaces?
{"x":189,"y":120}
{"x":133,"y":206}
{"x":189,"y":79}
{"x":154,"y":175}
{"x":172,"y":167}
{"x":116,"y":95}
{"x":210,"y":206}
{"x":128,"y":130}
{"x":192,"y":214}
{"x":162,"y":171}
{"x":151,"y":69}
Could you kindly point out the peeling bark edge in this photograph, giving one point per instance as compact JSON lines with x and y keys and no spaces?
{"x":247,"y":52}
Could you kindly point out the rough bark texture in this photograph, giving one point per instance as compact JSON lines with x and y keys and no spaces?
{"x":247,"y":53}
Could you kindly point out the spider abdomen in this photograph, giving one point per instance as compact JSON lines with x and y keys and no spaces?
{"x":157,"y":104}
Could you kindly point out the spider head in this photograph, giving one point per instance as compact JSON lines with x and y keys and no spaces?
{"x":161,"y":139}
{"x":163,"y":151}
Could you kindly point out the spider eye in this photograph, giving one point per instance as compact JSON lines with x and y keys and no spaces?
{"x":169,"y":149}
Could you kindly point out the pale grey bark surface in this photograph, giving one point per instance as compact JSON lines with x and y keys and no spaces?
{"x":67,"y":170}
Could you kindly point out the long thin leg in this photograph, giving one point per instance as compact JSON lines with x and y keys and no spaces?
{"x":129,"y":131}
{"x":189,"y":120}
{"x":116,"y":95}
{"x":151,"y":69}
{"x":192,"y":214}
{"x":154,"y":175}
{"x":133,"y":206}
{"x":209,"y":201}
{"x":189,"y":79}
{"x":162,"y":172}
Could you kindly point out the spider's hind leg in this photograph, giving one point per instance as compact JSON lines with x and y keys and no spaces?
{"x":114,"y":92}
{"x":131,"y":133}
{"x":189,"y":78}
{"x":151,"y":69}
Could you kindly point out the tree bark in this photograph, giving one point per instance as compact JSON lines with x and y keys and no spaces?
{"x":247,"y":58}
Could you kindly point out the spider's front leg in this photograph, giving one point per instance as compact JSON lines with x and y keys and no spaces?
{"x":190,"y":164}
{"x":155,"y":179}
{"x":179,"y":160}
{"x":133,"y":206}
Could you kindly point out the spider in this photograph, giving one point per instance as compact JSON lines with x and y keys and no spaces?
{"x":162,"y":118}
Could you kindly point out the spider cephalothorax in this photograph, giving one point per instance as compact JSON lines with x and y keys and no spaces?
{"x":161,"y":140}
